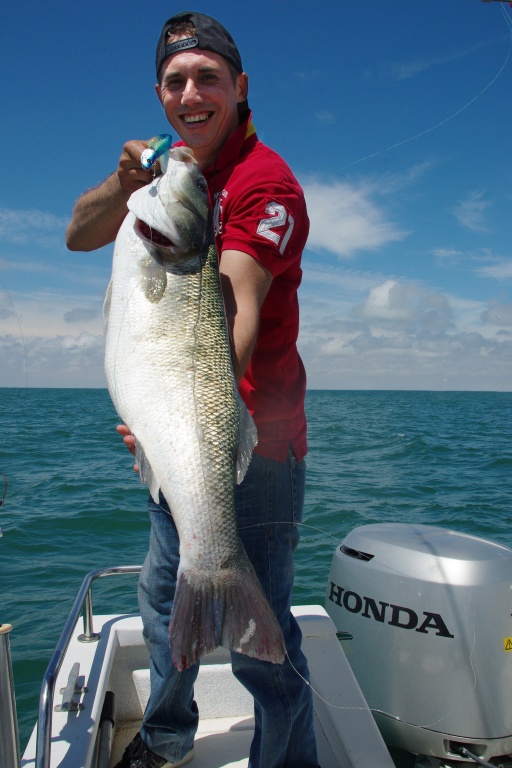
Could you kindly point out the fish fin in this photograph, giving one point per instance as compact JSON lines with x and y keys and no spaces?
{"x":230,"y":609}
{"x":145,"y":471}
{"x":153,"y":279}
{"x":248,"y":441}
{"x":106,"y":306}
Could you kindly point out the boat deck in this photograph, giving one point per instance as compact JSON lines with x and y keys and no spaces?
{"x":345,"y":729}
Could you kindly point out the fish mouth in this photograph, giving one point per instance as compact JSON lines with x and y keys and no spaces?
{"x":153,"y":235}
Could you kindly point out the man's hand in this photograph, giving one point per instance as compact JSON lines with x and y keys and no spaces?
{"x":128,"y":440}
{"x":132,"y":176}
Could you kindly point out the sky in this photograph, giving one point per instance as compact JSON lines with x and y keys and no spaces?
{"x":395,"y":116}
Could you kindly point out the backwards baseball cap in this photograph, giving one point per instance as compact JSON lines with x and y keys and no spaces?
{"x":210,"y":36}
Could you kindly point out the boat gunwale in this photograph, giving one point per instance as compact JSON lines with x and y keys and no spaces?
{"x":83,"y":602}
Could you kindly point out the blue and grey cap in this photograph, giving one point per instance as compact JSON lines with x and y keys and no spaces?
{"x":210,"y":36}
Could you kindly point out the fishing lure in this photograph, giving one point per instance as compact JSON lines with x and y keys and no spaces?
{"x":156,"y":148}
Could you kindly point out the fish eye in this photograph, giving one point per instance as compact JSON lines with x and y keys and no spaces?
{"x":202,"y":185}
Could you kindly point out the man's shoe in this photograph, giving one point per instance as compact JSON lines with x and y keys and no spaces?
{"x":137,"y":755}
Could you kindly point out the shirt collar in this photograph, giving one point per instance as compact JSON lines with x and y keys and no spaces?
{"x":232,"y":148}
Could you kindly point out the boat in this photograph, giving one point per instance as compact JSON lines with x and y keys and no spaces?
{"x":410,"y":664}
{"x":97,"y":685}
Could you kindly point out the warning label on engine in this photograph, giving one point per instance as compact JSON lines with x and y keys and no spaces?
{"x":507,"y":644}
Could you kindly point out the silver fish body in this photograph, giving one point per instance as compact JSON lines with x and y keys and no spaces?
{"x":170,"y":376}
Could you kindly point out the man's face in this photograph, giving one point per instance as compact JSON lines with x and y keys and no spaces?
{"x":200,"y":97}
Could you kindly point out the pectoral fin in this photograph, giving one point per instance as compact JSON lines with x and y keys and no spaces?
{"x":106,"y":306}
{"x":146,"y":472}
{"x":153,"y":280}
{"x":248,"y":441}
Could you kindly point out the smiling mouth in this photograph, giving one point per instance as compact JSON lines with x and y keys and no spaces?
{"x":198,"y":119}
{"x":153,"y":235}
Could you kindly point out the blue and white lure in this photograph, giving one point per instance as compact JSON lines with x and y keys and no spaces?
{"x":155,"y":149}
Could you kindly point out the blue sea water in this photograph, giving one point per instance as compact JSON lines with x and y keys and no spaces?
{"x":74,"y":504}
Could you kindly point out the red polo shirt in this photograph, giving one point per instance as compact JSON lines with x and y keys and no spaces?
{"x":259,"y":208}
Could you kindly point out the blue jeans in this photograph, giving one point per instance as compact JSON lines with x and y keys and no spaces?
{"x":269,"y":505}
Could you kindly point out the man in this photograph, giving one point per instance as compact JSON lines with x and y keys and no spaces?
{"x":261,"y":227}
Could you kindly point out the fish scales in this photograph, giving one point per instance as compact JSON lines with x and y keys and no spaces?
{"x":170,"y":375}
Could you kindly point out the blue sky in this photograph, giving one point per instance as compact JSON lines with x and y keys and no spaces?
{"x":395,"y":115}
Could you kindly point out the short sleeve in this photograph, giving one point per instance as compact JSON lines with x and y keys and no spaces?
{"x":270,"y":224}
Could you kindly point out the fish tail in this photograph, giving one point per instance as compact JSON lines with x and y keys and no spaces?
{"x":228,"y":608}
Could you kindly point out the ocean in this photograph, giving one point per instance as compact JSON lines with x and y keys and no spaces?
{"x":74,"y":504}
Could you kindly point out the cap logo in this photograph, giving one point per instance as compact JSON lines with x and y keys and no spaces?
{"x":181,"y":45}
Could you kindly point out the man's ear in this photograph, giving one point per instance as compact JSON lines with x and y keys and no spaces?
{"x":242,"y":86}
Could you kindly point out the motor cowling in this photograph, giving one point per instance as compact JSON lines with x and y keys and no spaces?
{"x":425,"y":616}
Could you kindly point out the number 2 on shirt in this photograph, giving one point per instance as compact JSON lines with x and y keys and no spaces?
{"x":278,"y":217}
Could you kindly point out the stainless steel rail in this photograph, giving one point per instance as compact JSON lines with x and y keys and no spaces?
{"x":9,"y":741}
{"x":83,"y":600}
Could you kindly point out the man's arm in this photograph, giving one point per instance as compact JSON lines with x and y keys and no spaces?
{"x":245,"y":284}
{"x":99,"y":212}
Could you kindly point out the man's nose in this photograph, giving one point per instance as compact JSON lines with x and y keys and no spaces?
{"x":190,"y":93}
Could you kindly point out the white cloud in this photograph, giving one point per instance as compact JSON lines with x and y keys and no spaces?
{"x":23,"y":266}
{"x":345,"y":219}
{"x":360,"y":359}
{"x":498,"y":314}
{"x":470,"y":212}
{"x":61,"y":361}
{"x":448,"y":254}
{"x":307,"y":76}
{"x":403,"y":335}
{"x":325,"y":117}
{"x":358,"y":330}
{"x":337,"y":279}
{"x":32,"y":226}
{"x":501,"y":270}
{"x":408,"y":69}
{"x":78,"y":315}
{"x":406,"y":307}
{"x":48,"y":314}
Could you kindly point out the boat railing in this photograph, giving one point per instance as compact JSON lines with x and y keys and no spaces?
{"x":83,"y":602}
{"x":9,"y":741}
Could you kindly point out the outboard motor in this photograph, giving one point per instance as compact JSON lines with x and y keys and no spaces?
{"x":425,"y":616}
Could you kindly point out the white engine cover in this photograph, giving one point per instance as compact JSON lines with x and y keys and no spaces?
{"x":426,"y":615}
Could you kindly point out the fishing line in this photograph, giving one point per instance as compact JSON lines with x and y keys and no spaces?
{"x":361,"y":709}
{"x":21,"y":330}
{"x":507,"y":16}
{"x":318,"y":695}
{"x":508,"y":20}
{"x":345,"y":707}
{"x":335,"y":537}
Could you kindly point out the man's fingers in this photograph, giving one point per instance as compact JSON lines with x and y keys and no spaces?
{"x":128,"y":438}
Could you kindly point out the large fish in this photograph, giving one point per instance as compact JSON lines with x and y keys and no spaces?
{"x":170,"y":376}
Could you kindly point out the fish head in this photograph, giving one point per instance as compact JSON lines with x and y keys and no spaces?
{"x":172,"y":212}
